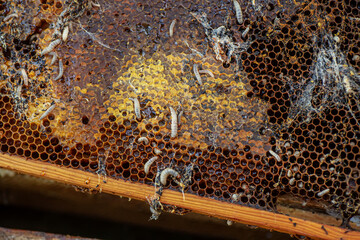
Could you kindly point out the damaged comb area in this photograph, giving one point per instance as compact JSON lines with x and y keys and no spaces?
{"x":276,"y":114}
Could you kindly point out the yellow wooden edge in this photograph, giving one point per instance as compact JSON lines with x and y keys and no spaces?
{"x":234,"y":212}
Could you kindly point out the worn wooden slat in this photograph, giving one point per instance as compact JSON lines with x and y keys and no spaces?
{"x":7,"y":233}
{"x":197,"y":204}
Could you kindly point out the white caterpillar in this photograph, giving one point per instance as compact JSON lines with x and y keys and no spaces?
{"x":8,"y":17}
{"x":54,"y":57}
{"x":197,"y":75}
{"x":277,"y":157}
{"x":143,"y":139}
{"x":51,"y":46}
{"x":171,"y":29}
{"x":166,"y":173}
{"x":173,"y":122}
{"x":65,"y":33}
{"x":245,"y":32}
{"x":61,"y":70}
{"x":136,"y":107}
{"x":149,"y":163}
{"x":157,"y":151}
{"x":207,"y":71}
{"x":24,"y":76}
{"x":322,"y":193}
{"x":239,"y":15}
{"x":47,"y":112}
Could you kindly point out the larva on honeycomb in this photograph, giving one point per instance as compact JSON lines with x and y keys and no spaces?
{"x":174,"y":122}
{"x":238,"y":12}
{"x":292,"y":181}
{"x":322,"y":193}
{"x":197,"y":74}
{"x":157,"y":151}
{"x":245,"y":32}
{"x":136,"y":107}
{"x":94,"y":4}
{"x":144,"y":140}
{"x":149,"y":163}
{"x":47,"y":112}
{"x":179,"y":117}
{"x":171,"y":29}
{"x":24,"y":76}
{"x":166,"y":173}
{"x":8,"y":17}
{"x":54,"y":57}
{"x":207,"y":71}
{"x":51,"y":47}
{"x":277,"y":157}
{"x":61,"y":70}
{"x":65,"y":33}
{"x":289,"y":173}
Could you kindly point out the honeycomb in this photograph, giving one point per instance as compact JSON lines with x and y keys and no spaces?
{"x":277,"y":115}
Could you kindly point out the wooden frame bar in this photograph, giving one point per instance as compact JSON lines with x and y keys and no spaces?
{"x":246,"y":215}
{"x":7,"y":233}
